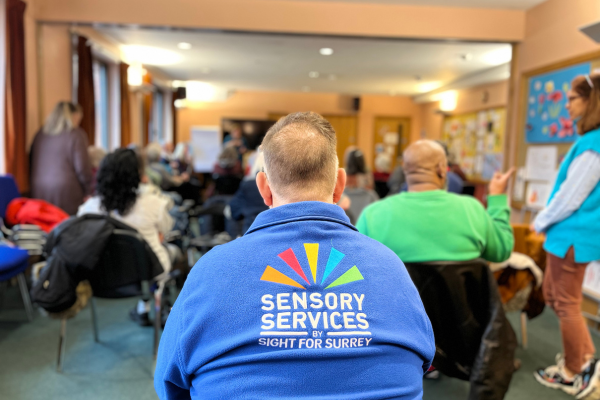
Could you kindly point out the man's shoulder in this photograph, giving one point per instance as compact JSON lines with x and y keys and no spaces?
{"x":384,"y":204}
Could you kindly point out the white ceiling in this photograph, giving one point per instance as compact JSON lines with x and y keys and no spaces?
{"x":498,"y":4}
{"x":238,"y":61}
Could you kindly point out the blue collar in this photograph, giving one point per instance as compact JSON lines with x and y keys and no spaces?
{"x":302,"y":211}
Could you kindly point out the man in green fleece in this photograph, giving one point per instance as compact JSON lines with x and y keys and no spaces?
{"x":429,"y":224}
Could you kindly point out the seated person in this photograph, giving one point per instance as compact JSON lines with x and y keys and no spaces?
{"x":455,"y":182}
{"x":168,"y":181}
{"x":302,"y":305}
{"x":118,"y":195}
{"x":247,"y":202}
{"x":358,"y":182}
{"x":397,"y":179}
{"x":429,"y":224}
{"x":227,"y":174}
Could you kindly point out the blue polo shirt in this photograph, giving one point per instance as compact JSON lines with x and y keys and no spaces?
{"x":302,"y":306}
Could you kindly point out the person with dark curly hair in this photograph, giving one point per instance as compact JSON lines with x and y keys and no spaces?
{"x":118,"y":194}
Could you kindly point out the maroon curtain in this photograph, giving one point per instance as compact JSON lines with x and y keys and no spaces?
{"x":125,"y":106}
{"x":146,"y":115}
{"x":15,"y":122}
{"x":146,"y":110}
{"x":85,"y":88}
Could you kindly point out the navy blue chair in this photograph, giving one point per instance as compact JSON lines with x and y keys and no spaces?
{"x":13,"y":263}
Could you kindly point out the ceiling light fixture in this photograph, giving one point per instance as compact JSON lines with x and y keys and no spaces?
{"x":200,"y":91}
{"x":184,"y":46}
{"x":326,"y":51}
{"x":135,"y":74}
{"x":313,"y":74}
{"x":448,"y":100}
{"x":149,"y":55}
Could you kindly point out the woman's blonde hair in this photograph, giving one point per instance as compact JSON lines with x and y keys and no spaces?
{"x":60,"y":119}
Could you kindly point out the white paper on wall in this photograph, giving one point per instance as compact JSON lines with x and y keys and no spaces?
{"x":478,"y":167}
{"x":541,"y":163}
{"x":391,"y":138}
{"x":207,"y":144}
{"x":538,"y":194}
{"x":519,"y":187}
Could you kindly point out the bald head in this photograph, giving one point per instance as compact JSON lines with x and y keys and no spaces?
{"x":425,"y":165}
{"x":300,"y":157}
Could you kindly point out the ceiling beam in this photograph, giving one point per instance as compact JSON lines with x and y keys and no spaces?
{"x":324,"y":18}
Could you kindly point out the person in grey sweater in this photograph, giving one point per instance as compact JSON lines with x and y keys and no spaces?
{"x":61,"y":171}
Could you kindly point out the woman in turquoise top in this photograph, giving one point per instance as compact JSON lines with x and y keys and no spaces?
{"x":571,"y":222}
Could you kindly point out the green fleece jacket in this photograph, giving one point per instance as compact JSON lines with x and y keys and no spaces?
{"x":440,"y":226}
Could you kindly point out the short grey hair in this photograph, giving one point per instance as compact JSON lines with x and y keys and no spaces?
{"x":153,"y":152}
{"x":301,"y":157}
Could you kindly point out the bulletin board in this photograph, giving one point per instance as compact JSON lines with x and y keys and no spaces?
{"x":476,"y":141}
{"x":543,"y":123}
{"x":547,"y":117}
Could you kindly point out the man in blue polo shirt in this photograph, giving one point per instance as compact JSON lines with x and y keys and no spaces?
{"x":302,"y":306}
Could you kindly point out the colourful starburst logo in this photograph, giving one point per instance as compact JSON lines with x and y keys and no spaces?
{"x":312,"y":255}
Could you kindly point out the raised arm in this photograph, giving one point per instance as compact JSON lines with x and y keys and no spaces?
{"x":499,"y":236}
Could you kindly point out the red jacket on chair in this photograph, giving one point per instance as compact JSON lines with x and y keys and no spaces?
{"x":35,"y":212}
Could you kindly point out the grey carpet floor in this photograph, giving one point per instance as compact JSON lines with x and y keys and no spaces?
{"x":120,"y":367}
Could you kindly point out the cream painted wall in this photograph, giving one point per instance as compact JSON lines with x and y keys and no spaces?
{"x":55,"y":67}
{"x":298,"y":16}
{"x":31,"y":73}
{"x":551,"y":35}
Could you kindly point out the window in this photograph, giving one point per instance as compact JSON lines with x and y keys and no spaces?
{"x":157,"y":127}
{"x":101,"y":94}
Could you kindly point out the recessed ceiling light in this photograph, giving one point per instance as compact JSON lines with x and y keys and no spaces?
{"x":305,"y":89}
{"x":313,"y":74}
{"x":326,"y":51}
{"x":184,"y":46}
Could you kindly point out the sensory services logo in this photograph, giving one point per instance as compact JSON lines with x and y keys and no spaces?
{"x":312,"y":254}
{"x":314,"y":317}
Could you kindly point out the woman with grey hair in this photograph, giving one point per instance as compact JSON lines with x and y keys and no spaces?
{"x":61,"y":172}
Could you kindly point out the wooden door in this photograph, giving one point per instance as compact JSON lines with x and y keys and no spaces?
{"x":391,"y":136}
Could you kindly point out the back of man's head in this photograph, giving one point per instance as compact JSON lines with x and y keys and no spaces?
{"x":425,"y":163}
{"x":300,"y":157}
